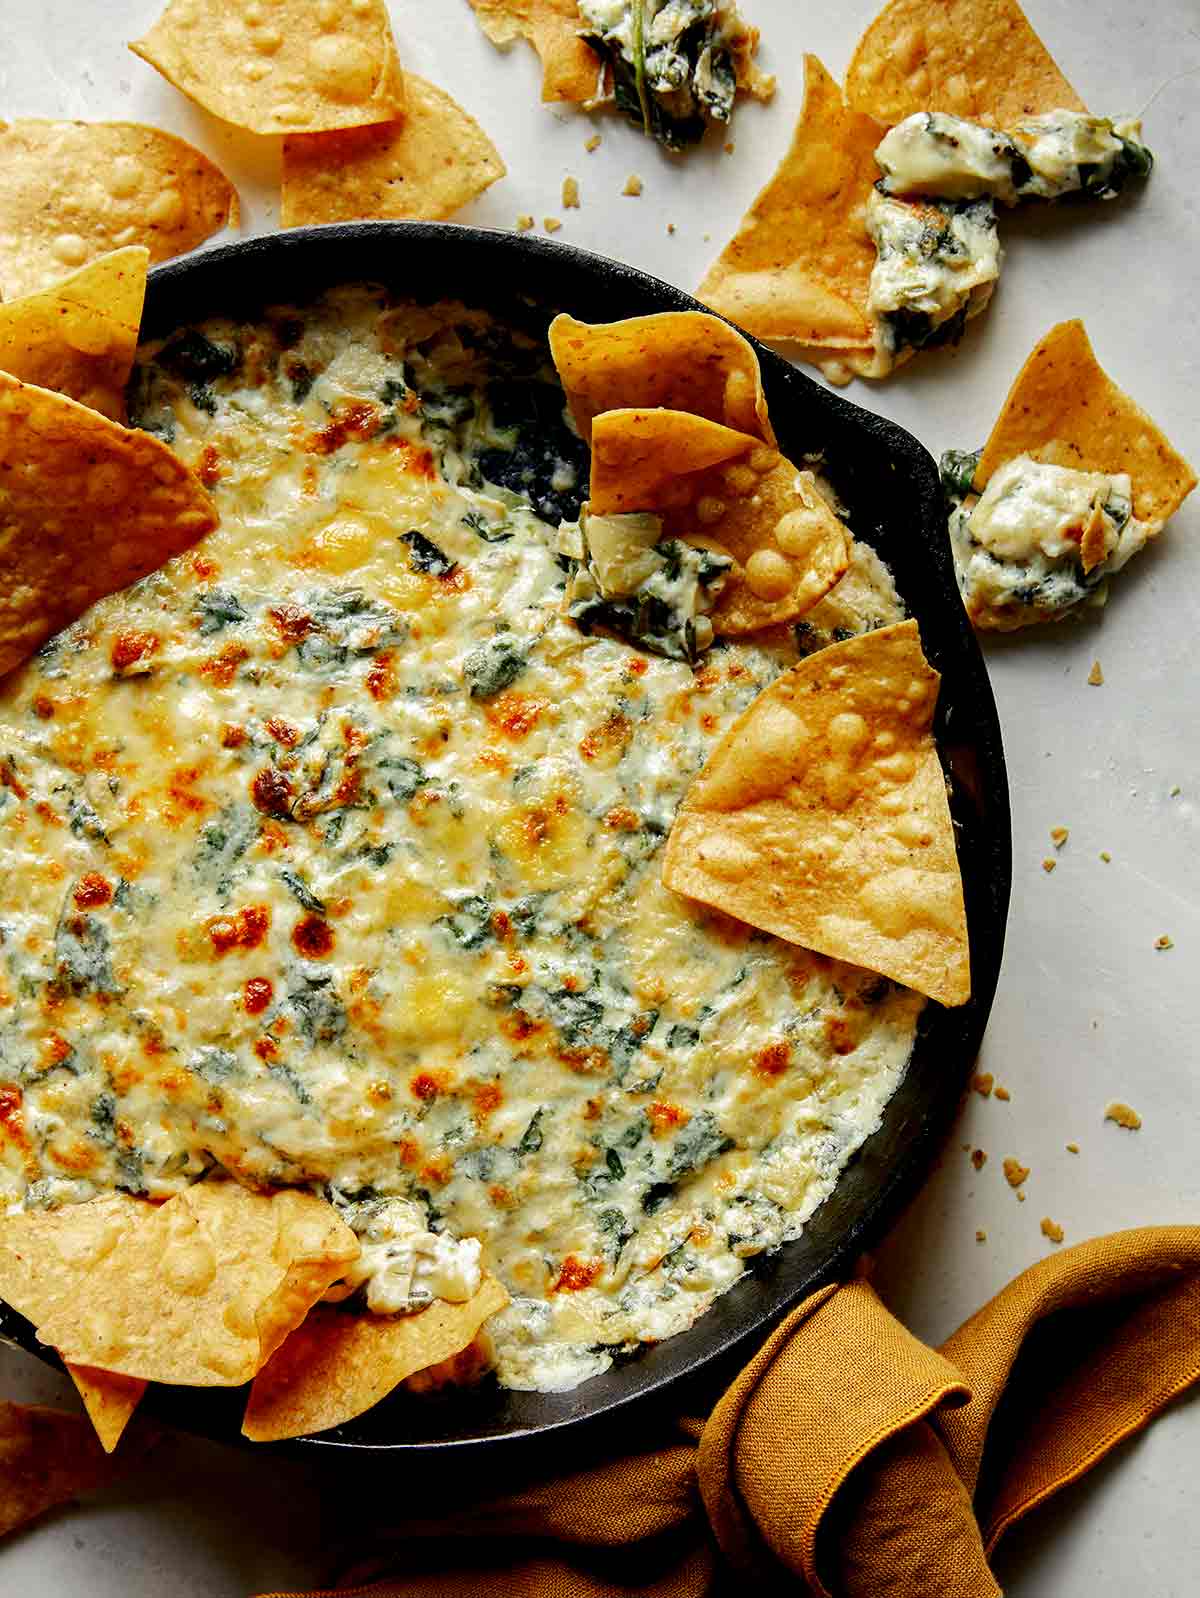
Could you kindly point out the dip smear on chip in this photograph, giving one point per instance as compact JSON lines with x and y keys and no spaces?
{"x":72,"y":191}
{"x":1073,"y":481}
{"x":293,"y":66}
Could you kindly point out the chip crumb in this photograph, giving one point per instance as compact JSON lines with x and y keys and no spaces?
{"x":1014,"y":1172}
{"x":1175,"y":792}
{"x":570,"y":194}
{"x":670,"y":227}
{"x":1003,"y":1095}
{"x":633,"y":185}
{"x":1106,"y":857}
{"x":1072,"y":1148}
{"x":524,"y":223}
{"x":551,"y":224}
{"x":729,"y":147}
{"x":593,"y":143}
{"x":1096,"y":677}
{"x":978,"y":1159}
{"x":1052,"y":1230}
{"x":983,"y":1082}
{"x":1059,"y":836}
{"x":1048,"y":864}
{"x":1163,"y":941}
{"x":1123,"y":1114}
{"x":981,"y":1237}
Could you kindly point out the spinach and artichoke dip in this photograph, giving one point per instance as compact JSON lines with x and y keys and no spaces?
{"x":676,"y":65}
{"x":329,"y":854}
{"x":1041,"y":541}
{"x":1043,"y":157}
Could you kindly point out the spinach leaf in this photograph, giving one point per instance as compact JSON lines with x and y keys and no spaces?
{"x":198,"y":359}
{"x":83,"y":955}
{"x":218,"y":609}
{"x":531,"y":1137}
{"x":296,"y":884}
{"x":319,"y":1013}
{"x":700,"y":1141}
{"x":469,"y":925}
{"x":494,"y":666}
{"x":425,"y":555}
{"x":957,"y":469}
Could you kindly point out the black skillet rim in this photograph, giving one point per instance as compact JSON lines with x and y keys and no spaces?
{"x":890,"y":485}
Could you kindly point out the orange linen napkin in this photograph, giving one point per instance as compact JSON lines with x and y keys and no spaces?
{"x":848,"y":1454}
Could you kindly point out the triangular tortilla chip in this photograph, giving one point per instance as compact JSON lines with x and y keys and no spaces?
{"x":639,"y":457}
{"x":975,"y":58}
{"x":86,"y":508}
{"x":46,"y":1458}
{"x":72,"y":191}
{"x":720,"y":488}
{"x":429,"y":165}
{"x":799,"y":265}
{"x":684,"y":360}
{"x":336,"y":1365}
{"x":1065,"y":410}
{"x":46,"y":1256}
{"x":202,"y":1291}
{"x":280,"y":68}
{"x":570,"y":69}
{"x":109,"y":1400}
{"x":79,"y":336}
{"x":822,"y":817}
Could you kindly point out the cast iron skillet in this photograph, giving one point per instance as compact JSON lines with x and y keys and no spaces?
{"x":890,"y":486}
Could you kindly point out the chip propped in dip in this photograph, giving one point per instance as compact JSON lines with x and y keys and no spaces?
{"x":822,"y":817}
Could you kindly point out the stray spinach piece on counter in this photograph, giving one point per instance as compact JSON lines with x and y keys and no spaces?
{"x":495,"y":665}
{"x":425,"y":554}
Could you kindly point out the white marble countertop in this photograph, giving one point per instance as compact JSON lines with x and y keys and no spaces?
{"x":1087,"y":1009}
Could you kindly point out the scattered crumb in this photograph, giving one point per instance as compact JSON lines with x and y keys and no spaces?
{"x":1072,"y":1148}
{"x":1163,"y":942}
{"x":524,"y":223}
{"x":966,"y":1148}
{"x":551,"y":224}
{"x":1059,"y":836}
{"x":593,"y":143}
{"x":982,"y":1083}
{"x":1123,"y":1115}
{"x":1105,"y":856}
{"x":1175,"y":792}
{"x":1020,"y":1196}
{"x":708,"y":238}
{"x":1049,"y":865}
{"x":1052,"y":1230}
{"x":670,"y":227}
{"x":729,"y":148}
{"x":978,"y":1159}
{"x":981,"y":1237}
{"x":633,"y":185}
{"x":1003,"y":1094}
{"x":570,"y":194}
{"x":1014,"y":1172}
{"x":1096,"y":677}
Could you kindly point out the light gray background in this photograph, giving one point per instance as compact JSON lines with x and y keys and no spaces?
{"x":1087,"y":1010}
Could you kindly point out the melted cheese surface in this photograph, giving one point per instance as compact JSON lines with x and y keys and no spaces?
{"x":328,"y":856}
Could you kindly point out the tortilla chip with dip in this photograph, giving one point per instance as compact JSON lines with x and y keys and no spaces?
{"x":47,"y":1457}
{"x":973,"y":58}
{"x":72,"y":191}
{"x":86,"y":508}
{"x":428,"y":165}
{"x":822,"y":817}
{"x":683,"y":360}
{"x":729,"y":492}
{"x":79,"y":336}
{"x":293,"y":66}
{"x":110,"y":1401}
{"x":337,"y":1365}
{"x":204,"y":1289}
{"x":799,"y":265}
{"x":1064,"y":410}
{"x":570,"y":69}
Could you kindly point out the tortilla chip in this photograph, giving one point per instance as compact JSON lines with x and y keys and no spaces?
{"x":79,"y":337}
{"x":46,"y":1458}
{"x":800,"y":263}
{"x":684,"y":360}
{"x":109,"y":1400}
{"x":337,"y":1365}
{"x":570,"y":68}
{"x":639,"y":458}
{"x":289,"y":67}
{"x":72,"y":191}
{"x":47,"y":1256}
{"x":86,"y":508}
{"x":822,"y":817}
{"x":974,"y":58}
{"x":202,"y":1291}
{"x":429,"y":165}
{"x":1065,"y":410}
